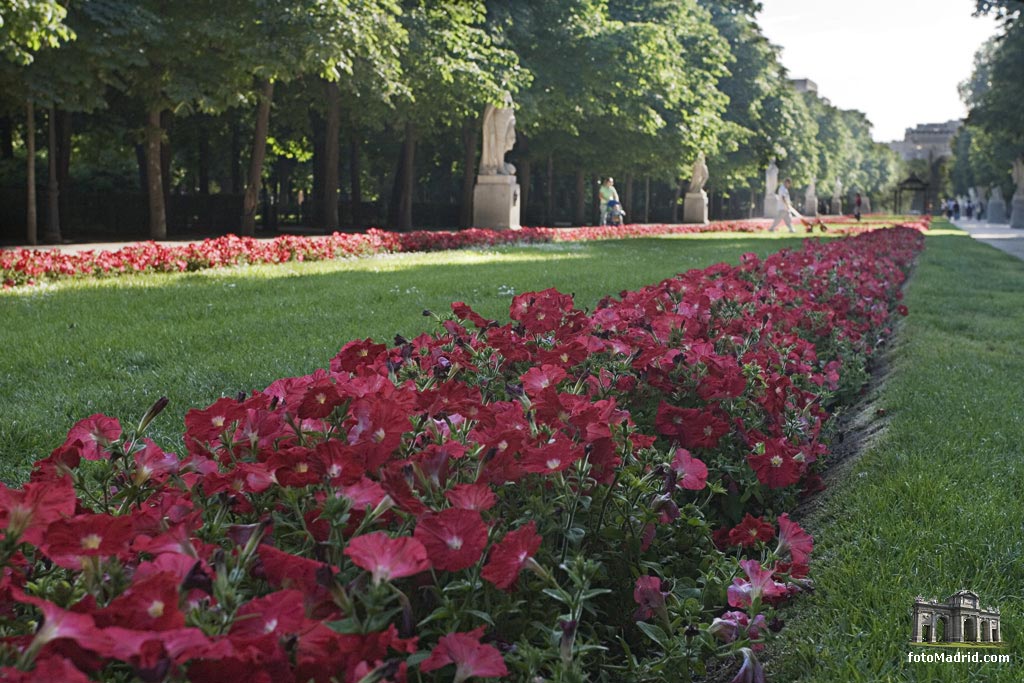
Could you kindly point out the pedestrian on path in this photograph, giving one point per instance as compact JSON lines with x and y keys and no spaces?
{"x":608,"y":194}
{"x":785,"y":207}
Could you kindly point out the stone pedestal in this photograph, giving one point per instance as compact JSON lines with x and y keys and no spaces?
{"x":837,"y":206}
{"x":1017,"y":216}
{"x":996,"y":211}
{"x":771,"y":206}
{"x":865,"y":205}
{"x":496,"y":202}
{"x":695,"y":207}
{"x":811,"y":205}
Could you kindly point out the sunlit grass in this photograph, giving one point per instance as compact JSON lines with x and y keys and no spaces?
{"x":114,"y":345}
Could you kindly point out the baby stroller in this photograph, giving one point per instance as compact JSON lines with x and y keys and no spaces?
{"x":615,"y":213}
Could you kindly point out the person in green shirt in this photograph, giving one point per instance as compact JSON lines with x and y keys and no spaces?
{"x":608,"y":193}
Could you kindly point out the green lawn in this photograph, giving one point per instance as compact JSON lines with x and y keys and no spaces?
{"x":115,"y":345}
{"x":934,"y":504}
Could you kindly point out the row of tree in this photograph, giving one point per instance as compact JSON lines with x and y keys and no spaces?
{"x":993,"y":136}
{"x":387,"y":95}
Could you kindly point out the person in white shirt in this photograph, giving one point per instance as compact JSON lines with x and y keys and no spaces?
{"x":785,"y":207}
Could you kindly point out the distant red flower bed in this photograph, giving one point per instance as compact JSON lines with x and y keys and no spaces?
{"x":566,"y":493}
{"x":30,"y":266}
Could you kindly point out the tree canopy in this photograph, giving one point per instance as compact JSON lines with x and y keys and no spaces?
{"x":363,"y":104}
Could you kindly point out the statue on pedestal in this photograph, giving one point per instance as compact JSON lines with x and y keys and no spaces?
{"x":499,"y":137}
{"x":496,"y":195}
{"x":695,"y":204}
{"x":1017,"y":203}
{"x":700,"y":174}
{"x":771,"y":178}
{"x":1018,"y":176}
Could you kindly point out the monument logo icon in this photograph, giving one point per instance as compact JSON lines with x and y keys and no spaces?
{"x":959,"y":619}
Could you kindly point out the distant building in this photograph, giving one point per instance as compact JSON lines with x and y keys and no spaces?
{"x":804,"y":85}
{"x":927,"y":141}
{"x":959,"y":619}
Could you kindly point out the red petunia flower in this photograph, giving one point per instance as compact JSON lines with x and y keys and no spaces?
{"x":775,"y":468}
{"x":649,"y":597}
{"x":67,"y":541}
{"x":538,"y":380}
{"x":319,"y":401}
{"x":388,"y":558}
{"x":25,"y":513}
{"x":454,"y":538}
{"x":509,"y":556}
{"x":794,"y":540}
{"x":750,"y":531}
{"x":95,"y":433}
{"x":692,"y":473}
{"x":472,"y":497}
{"x":470,"y":657}
{"x":691,"y":427}
{"x":758,"y":585}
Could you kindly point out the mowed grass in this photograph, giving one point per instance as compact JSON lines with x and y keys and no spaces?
{"x":936,"y":502}
{"x":115,"y":345}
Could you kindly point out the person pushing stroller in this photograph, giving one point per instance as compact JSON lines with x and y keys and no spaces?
{"x":609,"y":194}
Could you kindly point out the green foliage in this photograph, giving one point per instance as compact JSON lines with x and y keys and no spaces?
{"x":26,"y":26}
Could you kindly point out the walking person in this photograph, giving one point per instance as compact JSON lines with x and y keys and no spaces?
{"x":856,"y":206}
{"x":785,"y":207}
{"x":608,"y":194}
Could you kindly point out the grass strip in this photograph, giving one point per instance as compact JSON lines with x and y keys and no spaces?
{"x":933,"y":505}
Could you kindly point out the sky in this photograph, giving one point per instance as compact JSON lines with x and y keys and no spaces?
{"x":898,"y":61}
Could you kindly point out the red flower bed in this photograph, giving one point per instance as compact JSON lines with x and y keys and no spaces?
{"x":570,"y":492}
{"x":29,"y":266}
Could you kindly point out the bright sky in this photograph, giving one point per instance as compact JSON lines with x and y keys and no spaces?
{"x":898,"y":61}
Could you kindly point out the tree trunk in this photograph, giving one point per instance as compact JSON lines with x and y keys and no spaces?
{"x":470,"y":138}
{"x":675,"y":201}
{"x":332,"y":157}
{"x":627,"y":196}
{"x":579,"y":215}
{"x":204,"y":159}
{"x":549,"y":190}
{"x":154,"y":177}
{"x":595,"y":199}
{"x":647,"y":199}
{"x":524,"y":183}
{"x":31,"y":224}
{"x":318,"y":128}
{"x":236,"y":157}
{"x":51,"y":233}
{"x":140,"y":161}
{"x":408,"y":178}
{"x":356,"y":188}
{"x":259,"y":150}
{"x":166,"y":121}
{"x":64,"y":163}
{"x":6,"y":138}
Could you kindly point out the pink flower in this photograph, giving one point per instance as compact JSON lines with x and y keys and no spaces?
{"x":387,"y":558}
{"x":472,"y":497}
{"x":759,"y":585}
{"x":794,"y":540}
{"x":468,"y":654}
{"x":692,"y":473}
{"x":649,"y":597}
{"x":95,"y":433}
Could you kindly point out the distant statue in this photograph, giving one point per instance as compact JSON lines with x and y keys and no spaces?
{"x":812,"y":187}
{"x":997,"y":194}
{"x":771,"y":178}
{"x":837,"y":191}
{"x":700,"y":174}
{"x":499,"y":137}
{"x":1018,"y":175}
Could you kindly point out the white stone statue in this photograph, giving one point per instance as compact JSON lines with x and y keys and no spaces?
{"x":812,"y":187}
{"x":837,"y":191}
{"x":1018,"y":175}
{"x":997,"y":194}
{"x":700,"y":174}
{"x":499,"y":137}
{"x":771,"y":178}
